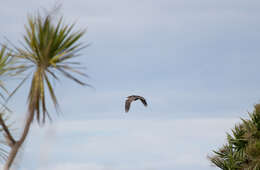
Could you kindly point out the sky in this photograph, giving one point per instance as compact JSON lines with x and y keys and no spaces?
{"x":196,"y":63}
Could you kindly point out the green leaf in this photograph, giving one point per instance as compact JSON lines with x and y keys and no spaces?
{"x":50,"y":47}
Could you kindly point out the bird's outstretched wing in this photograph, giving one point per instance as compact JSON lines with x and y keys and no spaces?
{"x":132,"y":98}
{"x":127,"y":104}
{"x":143,"y":100}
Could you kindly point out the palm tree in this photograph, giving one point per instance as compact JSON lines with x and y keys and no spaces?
{"x":6,"y":61}
{"x":242,"y":150}
{"x":48,"y":52}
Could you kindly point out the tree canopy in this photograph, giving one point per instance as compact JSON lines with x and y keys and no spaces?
{"x":242,"y":150}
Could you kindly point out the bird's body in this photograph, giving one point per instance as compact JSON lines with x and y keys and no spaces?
{"x":133,"y":98}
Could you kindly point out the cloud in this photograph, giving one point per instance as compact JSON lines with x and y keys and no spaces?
{"x":129,"y":144}
{"x":75,"y":166}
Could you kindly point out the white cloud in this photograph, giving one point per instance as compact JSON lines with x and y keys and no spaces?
{"x":75,"y":166}
{"x":124,"y":144}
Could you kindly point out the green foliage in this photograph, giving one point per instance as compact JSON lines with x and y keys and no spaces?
{"x":6,"y":61}
{"x":6,"y":70}
{"x":48,"y":50}
{"x":242,"y":150}
{"x":226,"y":158}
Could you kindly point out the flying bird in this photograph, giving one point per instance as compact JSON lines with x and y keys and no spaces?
{"x":133,"y":98}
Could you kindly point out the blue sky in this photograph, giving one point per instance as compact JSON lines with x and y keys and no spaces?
{"x":196,"y":62}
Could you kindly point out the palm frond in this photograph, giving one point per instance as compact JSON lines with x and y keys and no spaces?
{"x":6,"y":61}
{"x":242,"y":150}
{"x":51,"y":48}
